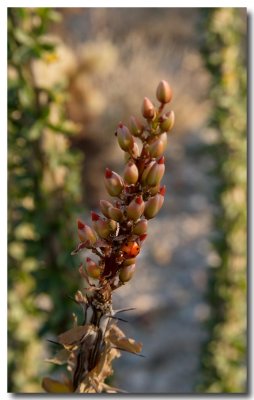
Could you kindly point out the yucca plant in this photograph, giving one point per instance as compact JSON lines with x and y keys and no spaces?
{"x":115,"y":240}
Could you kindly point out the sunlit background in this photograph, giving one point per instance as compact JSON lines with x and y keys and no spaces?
{"x":73,"y":75}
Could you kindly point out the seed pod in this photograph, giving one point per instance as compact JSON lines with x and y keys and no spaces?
{"x":136,"y":208}
{"x":164,"y":92}
{"x":92,"y":269}
{"x":146,"y":171}
{"x":113,"y":182}
{"x":167,"y":121}
{"x":115,"y":214}
{"x":85,"y":232}
{"x":125,"y":138}
{"x":104,"y":206}
{"x":140,"y":227}
{"x":136,"y":127}
{"x":148,"y":110}
{"x":156,"y":173}
{"x":153,"y":205}
{"x":103,"y":227}
{"x":129,"y":261}
{"x":158,"y":146}
{"x":130,"y":173}
{"x":126,"y":273}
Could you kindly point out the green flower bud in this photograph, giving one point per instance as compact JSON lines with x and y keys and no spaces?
{"x":129,"y":261}
{"x":136,"y":127}
{"x":135,"y":150}
{"x":103,"y":227}
{"x":164,"y":92}
{"x":115,"y":214}
{"x":146,"y":171}
{"x":158,"y":146}
{"x":104,"y":206}
{"x":92,"y":269}
{"x":113,"y":183}
{"x":136,"y":208}
{"x":130,"y":174}
{"x":148,"y":110}
{"x":126,"y":273}
{"x":153,"y":206}
{"x":154,"y":190}
{"x":140,"y":227}
{"x":85,"y":233}
{"x":167,"y":121}
{"x":156,"y":173}
{"x":125,"y":138}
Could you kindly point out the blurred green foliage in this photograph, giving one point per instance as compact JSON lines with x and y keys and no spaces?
{"x":224,"y":51}
{"x":44,"y":196}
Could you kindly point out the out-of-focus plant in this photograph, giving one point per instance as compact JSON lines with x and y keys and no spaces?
{"x":115,"y":240}
{"x":43,"y":190}
{"x":224,"y":50}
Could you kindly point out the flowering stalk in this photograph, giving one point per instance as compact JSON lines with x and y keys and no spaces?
{"x":115,"y":239}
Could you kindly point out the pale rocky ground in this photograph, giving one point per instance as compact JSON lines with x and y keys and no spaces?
{"x":170,"y":285}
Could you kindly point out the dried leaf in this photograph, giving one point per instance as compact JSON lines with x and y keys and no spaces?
{"x":80,"y":247}
{"x":73,"y":335}
{"x":54,"y":386}
{"x":60,"y":358}
{"x":117,"y":337}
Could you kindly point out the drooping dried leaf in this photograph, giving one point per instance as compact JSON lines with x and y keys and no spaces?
{"x":54,"y":386}
{"x":73,"y":335}
{"x":81,"y":246}
{"x":117,"y":337}
{"x":60,"y":358}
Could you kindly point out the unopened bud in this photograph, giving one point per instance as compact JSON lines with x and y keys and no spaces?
{"x":113,"y":182}
{"x":125,"y":138}
{"x":92,"y":269}
{"x":129,"y":261}
{"x":136,"y":208}
{"x":130,"y":174}
{"x":153,"y":206}
{"x":154,"y":190}
{"x":164,"y":92}
{"x":148,"y":110}
{"x":167,"y":121}
{"x":140,"y":227}
{"x":156,"y":173}
{"x":103,"y":227}
{"x":115,"y":214}
{"x":126,"y":273}
{"x":158,"y":146}
{"x":135,"y":150}
{"x":136,"y":127}
{"x":85,"y":233}
{"x":104,"y":206}
{"x":146,"y":172}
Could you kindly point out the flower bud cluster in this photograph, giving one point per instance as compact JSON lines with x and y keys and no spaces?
{"x":117,"y":235}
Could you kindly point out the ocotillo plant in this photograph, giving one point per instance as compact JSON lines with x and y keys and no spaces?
{"x":115,"y":240}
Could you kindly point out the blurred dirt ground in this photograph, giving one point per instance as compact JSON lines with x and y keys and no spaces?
{"x":113,"y":58}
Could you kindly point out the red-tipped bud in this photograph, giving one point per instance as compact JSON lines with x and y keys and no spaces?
{"x":136,"y":208}
{"x":143,"y":237}
{"x":146,"y":172}
{"x":161,"y":160}
{"x":113,"y":183}
{"x":103,"y":227}
{"x":164,"y":92}
{"x":85,"y":233}
{"x":125,"y":138}
{"x":95,"y":216}
{"x":92,"y":269}
{"x":153,"y":206}
{"x":158,"y":146}
{"x":129,"y":261}
{"x":136,"y":127}
{"x":104,"y":206}
{"x":126,"y":273}
{"x":163,"y":190}
{"x":130,"y":174}
{"x":156,"y":173}
{"x":154,"y":190}
{"x":167,"y":121}
{"x":140,"y":227}
{"x":148,"y":110}
{"x":115,"y":214}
